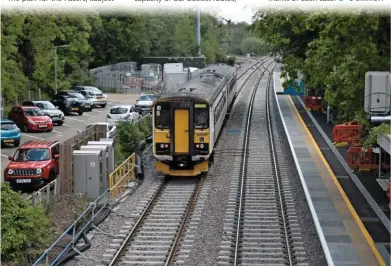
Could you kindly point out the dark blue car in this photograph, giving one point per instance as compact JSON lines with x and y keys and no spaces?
{"x":10,"y":133}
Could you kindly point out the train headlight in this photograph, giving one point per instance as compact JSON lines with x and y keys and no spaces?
{"x":202,"y":146}
{"x":162,"y":145}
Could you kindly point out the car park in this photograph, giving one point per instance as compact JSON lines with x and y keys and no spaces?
{"x":34,"y":164}
{"x":68,"y":104}
{"x":144,"y":103}
{"x":49,"y":109}
{"x":30,"y":118}
{"x":93,"y":94}
{"x":10,"y":133}
{"x":122,"y":113}
{"x":111,"y":128}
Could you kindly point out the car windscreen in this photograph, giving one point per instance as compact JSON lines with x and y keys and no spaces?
{"x":32,"y":154}
{"x":78,"y":95}
{"x":33,"y":112}
{"x":46,"y":106}
{"x":147,"y":98}
{"x":7,"y":126}
{"x":118,"y":110}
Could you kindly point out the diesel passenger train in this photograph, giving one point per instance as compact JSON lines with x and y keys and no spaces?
{"x":188,"y":119}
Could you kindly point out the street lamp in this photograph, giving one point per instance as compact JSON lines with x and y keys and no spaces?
{"x":55,"y":63}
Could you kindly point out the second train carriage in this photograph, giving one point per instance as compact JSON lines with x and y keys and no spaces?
{"x":187,"y":121}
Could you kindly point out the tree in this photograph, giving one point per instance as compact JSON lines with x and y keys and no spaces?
{"x":253,"y":45}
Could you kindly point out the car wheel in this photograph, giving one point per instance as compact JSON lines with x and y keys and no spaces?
{"x":103,"y":105}
{"x":50,"y":130}
{"x":60,"y":123}
{"x":17,"y":143}
{"x":80,"y":112}
{"x":25,"y":128}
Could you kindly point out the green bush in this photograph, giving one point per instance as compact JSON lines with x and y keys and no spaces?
{"x":371,"y":138}
{"x":129,"y":137}
{"x":231,"y":60}
{"x":145,"y":126}
{"x":24,"y":228}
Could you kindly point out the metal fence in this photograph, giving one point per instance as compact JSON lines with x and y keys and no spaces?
{"x":31,"y":95}
{"x":125,"y":77}
{"x":44,"y":194}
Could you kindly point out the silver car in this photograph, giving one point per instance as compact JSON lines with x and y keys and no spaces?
{"x":93,"y":94}
{"x":144,"y":103}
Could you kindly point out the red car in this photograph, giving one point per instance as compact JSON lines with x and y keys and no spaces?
{"x":30,"y":118}
{"x":34,"y":164}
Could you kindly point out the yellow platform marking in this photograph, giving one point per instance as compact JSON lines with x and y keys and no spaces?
{"x":345,"y":198}
{"x":181,"y":130}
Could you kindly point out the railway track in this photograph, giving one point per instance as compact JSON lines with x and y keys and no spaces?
{"x":261,"y":226}
{"x":155,"y":235}
{"x":157,"y":230}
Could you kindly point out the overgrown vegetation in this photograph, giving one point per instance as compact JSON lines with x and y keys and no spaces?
{"x":333,"y":51}
{"x":24,"y":228}
{"x":371,"y":139}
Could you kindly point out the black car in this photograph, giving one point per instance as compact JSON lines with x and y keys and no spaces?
{"x":49,"y":109}
{"x":87,"y":104}
{"x":68,"y":104}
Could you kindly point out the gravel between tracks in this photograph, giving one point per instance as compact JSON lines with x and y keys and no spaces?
{"x":113,"y":224}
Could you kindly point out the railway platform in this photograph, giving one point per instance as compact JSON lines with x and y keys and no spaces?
{"x":344,"y":238}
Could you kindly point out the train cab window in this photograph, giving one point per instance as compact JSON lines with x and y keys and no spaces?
{"x":201,"y":115}
{"x":162,"y":114}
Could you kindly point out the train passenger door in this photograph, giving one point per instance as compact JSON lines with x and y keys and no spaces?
{"x":182,"y":130}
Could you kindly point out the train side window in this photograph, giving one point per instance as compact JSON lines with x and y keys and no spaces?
{"x":201,"y":116}
{"x":162,"y":115}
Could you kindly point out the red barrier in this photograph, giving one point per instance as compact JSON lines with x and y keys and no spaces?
{"x":313,"y":102}
{"x":388,"y":192}
{"x":385,"y":165}
{"x":349,"y":132}
{"x":361,"y":159}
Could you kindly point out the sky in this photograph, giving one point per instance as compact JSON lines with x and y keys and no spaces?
{"x":237,"y":13}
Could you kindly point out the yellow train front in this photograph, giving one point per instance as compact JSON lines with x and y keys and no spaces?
{"x":187,"y":121}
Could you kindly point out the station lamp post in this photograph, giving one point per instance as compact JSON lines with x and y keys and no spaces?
{"x":55,"y":64}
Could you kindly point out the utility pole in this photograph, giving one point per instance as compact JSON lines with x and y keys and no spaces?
{"x":55,"y":64}
{"x":198,"y":33}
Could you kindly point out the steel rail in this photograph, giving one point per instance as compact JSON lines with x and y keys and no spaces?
{"x":244,"y":161}
{"x":276,"y":172}
{"x":136,"y":225}
{"x":192,"y":202}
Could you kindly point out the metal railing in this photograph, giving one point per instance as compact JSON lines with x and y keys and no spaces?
{"x":76,"y":230}
{"x":122,"y":176}
{"x":44,"y":193}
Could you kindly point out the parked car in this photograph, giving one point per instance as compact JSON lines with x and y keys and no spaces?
{"x":34,"y":164}
{"x":93,"y":94}
{"x":144,"y":103}
{"x":30,"y":118}
{"x":68,"y":104}
{"x":122,"y":113}
{"x":49,"y":109}
{"x":111,"y":128}
{"x":87,"y":104}
{"x":10,"y":133}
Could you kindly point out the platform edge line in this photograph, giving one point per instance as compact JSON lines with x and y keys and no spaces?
{"x":322,"y":238}
{"x":353,"y":212}
{"x":375,"y":207}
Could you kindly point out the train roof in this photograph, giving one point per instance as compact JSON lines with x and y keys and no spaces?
{"x":205,"y":85}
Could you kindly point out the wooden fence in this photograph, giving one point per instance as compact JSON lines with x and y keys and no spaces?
{"x":67,"y":147}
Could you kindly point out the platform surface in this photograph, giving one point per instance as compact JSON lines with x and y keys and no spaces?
{"x":344,"y":238}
